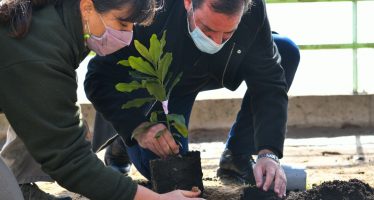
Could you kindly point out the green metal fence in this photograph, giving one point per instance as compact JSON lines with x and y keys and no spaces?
{"x":354,"y":45}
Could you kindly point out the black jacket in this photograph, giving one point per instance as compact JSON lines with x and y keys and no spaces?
{"x":250,"y":56}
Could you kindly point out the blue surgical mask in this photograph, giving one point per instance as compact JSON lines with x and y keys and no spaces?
{"x":203,"y":42}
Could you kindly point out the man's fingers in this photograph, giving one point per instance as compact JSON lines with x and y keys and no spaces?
{"x":278,"y":183}
{"x":171,"y":143}
{"x":282,"y":192}
{"x":155,"y":149}
{"x":258,"y":175}
{"x":164,"y":146}
{"x":190,"y":194}
{"x":152,"y":148}
{"x":270,"y":173}
{"x":283,"y":178}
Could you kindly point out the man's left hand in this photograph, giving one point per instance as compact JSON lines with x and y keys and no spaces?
{"x":273,"y":172}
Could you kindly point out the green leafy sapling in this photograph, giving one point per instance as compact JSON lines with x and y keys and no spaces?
{"x":151,"y":72}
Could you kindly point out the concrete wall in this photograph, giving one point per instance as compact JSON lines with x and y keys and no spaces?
{"x":304,"y":111}
{"x":332,"y":111}
{"x":88,"y":113}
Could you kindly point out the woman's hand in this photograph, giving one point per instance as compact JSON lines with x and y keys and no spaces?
{"x":181,"y":195}
{"x":146,"y":194}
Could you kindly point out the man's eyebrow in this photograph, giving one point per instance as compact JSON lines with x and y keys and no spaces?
{"x":211,"y":30}
{"x":207,"y":27}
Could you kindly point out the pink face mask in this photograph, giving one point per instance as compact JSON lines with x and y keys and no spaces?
{"x":111,"y":41}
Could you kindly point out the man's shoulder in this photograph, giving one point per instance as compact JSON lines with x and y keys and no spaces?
{"x":255,"y":14}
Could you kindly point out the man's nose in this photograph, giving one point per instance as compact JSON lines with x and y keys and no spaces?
{"x":217,"y":38}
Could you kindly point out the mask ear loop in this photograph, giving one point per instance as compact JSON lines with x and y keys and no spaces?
{"x":193,"y":15}
{"x":101,"y":18}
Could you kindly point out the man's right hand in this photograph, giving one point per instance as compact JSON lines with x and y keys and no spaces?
{"x":162,"y":145}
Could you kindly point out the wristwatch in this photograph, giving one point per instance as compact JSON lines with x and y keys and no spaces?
{"x":268,"y":155}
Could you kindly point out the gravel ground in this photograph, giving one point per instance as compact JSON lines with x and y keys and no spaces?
{"x":326,"y":159}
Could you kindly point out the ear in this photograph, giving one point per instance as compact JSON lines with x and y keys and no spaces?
{"x":86,"y":8}
{"x":187,"y":4}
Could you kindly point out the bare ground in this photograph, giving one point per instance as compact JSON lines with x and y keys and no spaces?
{"x":334,"y":158}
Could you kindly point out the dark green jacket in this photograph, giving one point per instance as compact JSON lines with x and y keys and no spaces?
{"x":38,"y":96}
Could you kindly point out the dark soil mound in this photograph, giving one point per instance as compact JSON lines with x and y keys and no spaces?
{"x":336,"y":190}
{"x":253,"y":193}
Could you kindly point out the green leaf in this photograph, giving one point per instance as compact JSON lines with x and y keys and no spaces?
{"x":136,"y":103}
{"x":154,"y":49}
{"x":163,"y":65}
{"x":141,"y":65}
{"x":124,"y":63}
{"x":143,"y":50}
{"x":160,"y":133}
{"x":181,"y":128}
{"x":179,"y":123}
{"x":168,"y":78}
{"x":153,"y":117}
{"x":163,"y":41}
{"x":142,"y":129}
{"x":176,"y":80}
{"x":155,"y":89}
{"x":128,"y":87}
{"x":140,"y":76}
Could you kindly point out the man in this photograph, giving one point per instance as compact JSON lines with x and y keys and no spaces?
{"x":215,"y":43}
{"x":115,"y":154}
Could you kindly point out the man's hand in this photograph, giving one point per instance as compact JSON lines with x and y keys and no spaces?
{"x":157,"y":139}
{"x":273,"y":172}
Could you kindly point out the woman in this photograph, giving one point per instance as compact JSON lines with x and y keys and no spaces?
{"x":41,"y":45}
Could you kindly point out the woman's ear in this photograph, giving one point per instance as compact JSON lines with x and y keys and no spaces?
{"x":86,"y":8}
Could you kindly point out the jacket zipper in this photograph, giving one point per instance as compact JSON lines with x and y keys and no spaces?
{"x":227,"y":64}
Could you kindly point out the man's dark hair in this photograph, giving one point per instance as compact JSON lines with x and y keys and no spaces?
{"x":228,"y":7}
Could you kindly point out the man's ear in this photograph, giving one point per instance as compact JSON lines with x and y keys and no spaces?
{"x":86,"y":8}
{"x":187,"y":4}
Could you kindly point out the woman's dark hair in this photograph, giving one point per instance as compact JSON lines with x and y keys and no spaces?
{"x":143,"y":11}
{"x":18,"y":13}
{"x":228,"y":7}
